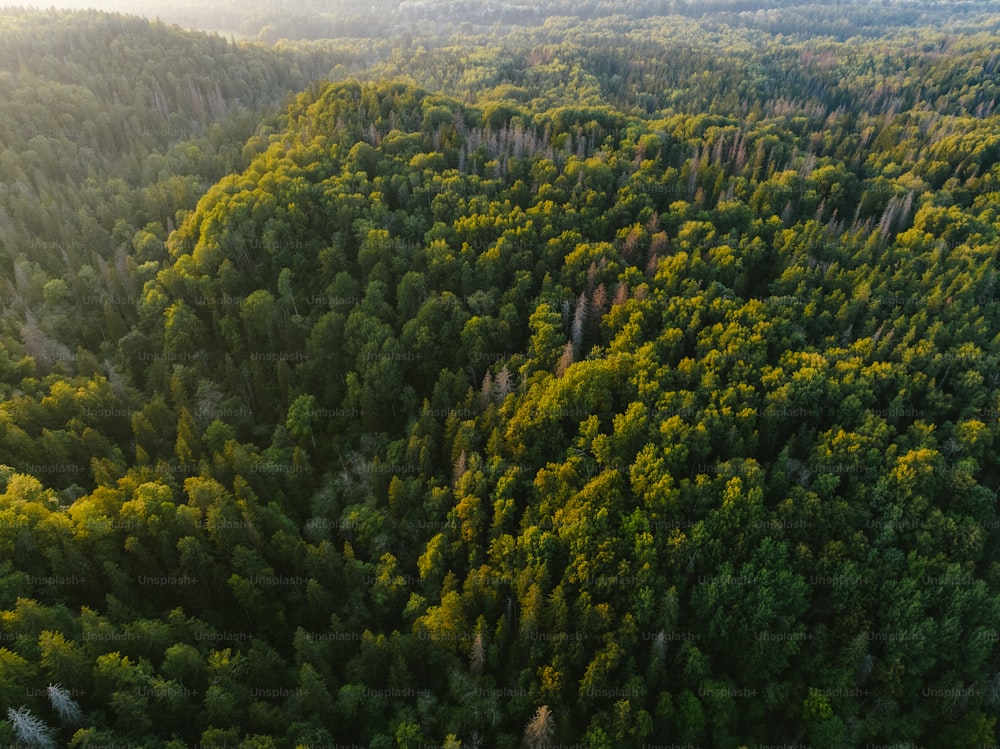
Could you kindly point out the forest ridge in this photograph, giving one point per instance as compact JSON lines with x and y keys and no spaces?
{"x":603,"y":379}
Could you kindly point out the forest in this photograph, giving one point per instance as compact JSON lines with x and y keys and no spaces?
{"x":610,"y":376}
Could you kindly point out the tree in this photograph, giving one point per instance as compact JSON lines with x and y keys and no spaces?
{"x":565,"y":360}
{"x":301,"y":417}
{"x":579,"y":323}
{"x":16,"y":674}
{"x":65,"y":706}
{"x":184,"y":333}
{"x":29,"y":729}
{"x":257,"y":313}
{"x":540,"y":729}
{"x":62,"y":659}
{"x":187,"y":446}
{"x":546,"y":338}
{"x":477,"y":655}
{"x":286,"y":290}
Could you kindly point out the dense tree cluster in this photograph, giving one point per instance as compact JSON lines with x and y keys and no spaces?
{"x":582,"y":394}
{"x":110,"y":125}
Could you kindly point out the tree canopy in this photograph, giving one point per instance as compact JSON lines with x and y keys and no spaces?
{"x":619,"y":378}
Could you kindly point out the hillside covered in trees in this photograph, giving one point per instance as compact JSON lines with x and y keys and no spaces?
{"x":602,"y":381}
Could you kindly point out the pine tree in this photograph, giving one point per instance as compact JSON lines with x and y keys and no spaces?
{"x":503,"y":384}
{"x":477,"y":656}
{"x":540,"y":729}
{"x":621,"y":294}
{"x":630,"y":244}
{"x":30,"y":730}
{"x":461,"y":465}
{"x":565,"y":360}
{"x":579,"y":320}
{"x":487,"y":388}
{"x":652,"y":265}
{"x":65,"y":706}
{"x":599,"y":298}
{"x":653,"y":223}
{"x":693,"y":178}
